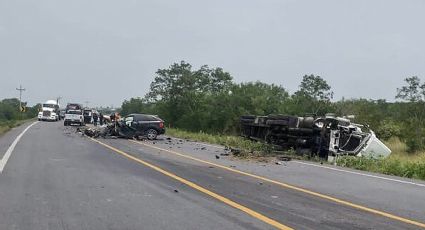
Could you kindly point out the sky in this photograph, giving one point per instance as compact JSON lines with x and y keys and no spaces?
{"x":105,"y":51}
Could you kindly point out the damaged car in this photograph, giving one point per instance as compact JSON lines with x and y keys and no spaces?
{"x":324,"y":136}
{"x":132,"y":126}
{"x":146,"y":125}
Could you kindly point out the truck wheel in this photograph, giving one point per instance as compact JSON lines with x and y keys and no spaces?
{"x":65,"y":123}
{"x":151,"y":134}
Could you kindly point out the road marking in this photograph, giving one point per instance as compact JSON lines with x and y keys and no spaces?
{"x":9,"y":151}
{"x":361,"y":174}
{"x":199,"y":188}
{"x":299,"y":189}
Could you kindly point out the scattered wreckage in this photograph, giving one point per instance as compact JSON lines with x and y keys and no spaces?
{"x":120,"y":129}
{"x":326,"y":137}
{"x":133,"y":126}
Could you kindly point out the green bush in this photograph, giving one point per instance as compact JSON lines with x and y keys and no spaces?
{"x":388,"y":129}
{"x":389,"y":166}
{"x":415,"y":144}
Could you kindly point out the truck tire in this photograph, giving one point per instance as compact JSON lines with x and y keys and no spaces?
{"x":245,"y":121}
{"x":277,"y":122}
{"x":65,"y":123}
{"x":278,"y":117}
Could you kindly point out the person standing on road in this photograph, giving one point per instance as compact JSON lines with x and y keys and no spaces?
{"x":100,"y":119}
{"x":95,"y":119}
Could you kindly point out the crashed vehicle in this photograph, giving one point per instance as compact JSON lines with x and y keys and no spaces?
{"x":326,"y":137}
{"x":131,"y":126}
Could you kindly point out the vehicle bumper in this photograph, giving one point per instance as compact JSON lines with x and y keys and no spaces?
{"x":161,"y":131}
{"x":73,"y":121}
{"x":51,"y":118}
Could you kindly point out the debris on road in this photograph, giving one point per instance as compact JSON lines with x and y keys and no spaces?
{"x":283,"y":158}
{"x":235,"y":151}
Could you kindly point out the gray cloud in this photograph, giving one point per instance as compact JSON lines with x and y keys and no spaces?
{"x":108,"y":51}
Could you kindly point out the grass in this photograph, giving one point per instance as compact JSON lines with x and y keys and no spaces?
{"x":7,"y":125}
{"x":246,"y":147}
{"x":399,"y":163}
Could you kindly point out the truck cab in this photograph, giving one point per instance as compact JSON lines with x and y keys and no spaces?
{"x":49,"y":111}
{"x":73,"y":115}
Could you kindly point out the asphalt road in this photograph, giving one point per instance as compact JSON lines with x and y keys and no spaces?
{"x":57,"y":179}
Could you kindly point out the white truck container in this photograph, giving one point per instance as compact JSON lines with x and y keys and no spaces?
{"x":49,"y":111}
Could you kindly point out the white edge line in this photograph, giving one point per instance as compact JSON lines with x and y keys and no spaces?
{"x":340,"y":170}
{"x":362,"y":174}
{"x":9,"y":151}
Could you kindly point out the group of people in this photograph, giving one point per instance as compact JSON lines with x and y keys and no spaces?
{"x":98,"y":117}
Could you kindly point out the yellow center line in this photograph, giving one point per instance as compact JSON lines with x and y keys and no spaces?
{"x":299,"y":189}
{"x":201,"y":189}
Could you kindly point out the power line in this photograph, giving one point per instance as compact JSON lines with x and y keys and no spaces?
{"x":20,"y":98}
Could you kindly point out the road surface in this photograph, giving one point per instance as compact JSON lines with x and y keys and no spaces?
{"x":57,"y":179}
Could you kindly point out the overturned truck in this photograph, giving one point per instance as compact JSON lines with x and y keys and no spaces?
{"x":326,"y":136}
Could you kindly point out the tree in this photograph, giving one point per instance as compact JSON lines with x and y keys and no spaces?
{"x":413,"y":92}
{"x":180,"y":93}
{"x":314,"y":94}
{"x":414,"y":130}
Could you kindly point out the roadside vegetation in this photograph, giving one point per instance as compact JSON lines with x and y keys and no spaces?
{"x":244,"y":147}
{"x":10,"y":115}
{"x":205,"y":104}
{"x":399,"y":163}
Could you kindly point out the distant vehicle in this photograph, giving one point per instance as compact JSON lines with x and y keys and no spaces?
{"x":88,"y":116}
{"x":73,"y":115}
{"x":49,"y":111}
{"x":62,"y":114}
{"x":146,"y":125}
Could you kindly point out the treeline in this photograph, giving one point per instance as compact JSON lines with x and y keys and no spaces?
{"x":207,"y":99}
{"x":10,"y":111}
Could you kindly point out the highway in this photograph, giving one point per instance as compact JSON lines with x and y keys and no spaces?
{"x":54,"y":178}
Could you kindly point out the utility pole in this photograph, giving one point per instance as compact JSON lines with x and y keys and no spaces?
{"x":58,"y":99}
{"x":20,"y":98}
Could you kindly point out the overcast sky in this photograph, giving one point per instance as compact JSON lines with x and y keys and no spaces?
{"x":107,"y":51}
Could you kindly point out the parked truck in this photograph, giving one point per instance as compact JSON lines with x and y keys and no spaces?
{"x":73,"y":114}
{"x":49,"y":111}
{"x":325,"y":136}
